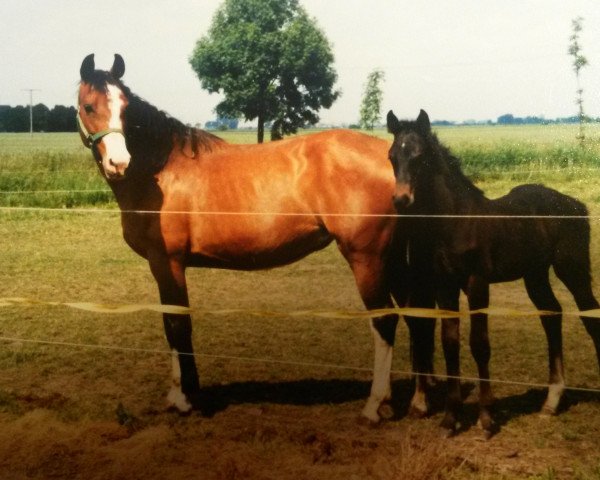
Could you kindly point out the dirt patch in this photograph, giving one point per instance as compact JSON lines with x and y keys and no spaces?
{"x":278,"y":441}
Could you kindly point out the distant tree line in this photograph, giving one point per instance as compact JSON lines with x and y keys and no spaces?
{"x":222,"y":123}
{"x":510,"y":119}
{"x":57,"y":119}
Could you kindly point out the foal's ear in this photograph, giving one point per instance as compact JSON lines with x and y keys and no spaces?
{"x":118,"y":68}
{"x":423,"y":122}
{"x":87,"y":67}
{"x":393,"y":124}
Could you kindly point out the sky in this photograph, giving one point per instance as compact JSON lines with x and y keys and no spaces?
{"x":458,"y":59}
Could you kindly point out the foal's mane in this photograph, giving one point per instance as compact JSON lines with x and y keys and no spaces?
{"x":452,"y":164}
{"x":155,"y":130}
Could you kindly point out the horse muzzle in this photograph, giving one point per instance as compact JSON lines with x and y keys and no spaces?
{"x":115,"y":156}
{"x":403,"y":198}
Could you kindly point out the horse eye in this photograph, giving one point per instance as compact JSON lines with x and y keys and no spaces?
{"x":88,"y":108}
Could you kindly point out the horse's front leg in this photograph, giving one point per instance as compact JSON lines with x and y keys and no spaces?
{"x":378,"y":405}
{"x":448,"y":297}
{"x":185,"y":387}
{"x":422,"y":333}
{"x":369,"y":273}
{"x":412,"y":283}
{"x":478,"y":293}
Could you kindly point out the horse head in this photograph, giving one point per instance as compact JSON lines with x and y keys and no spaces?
{"x":406,"y":154}
{"x":102,"y":102}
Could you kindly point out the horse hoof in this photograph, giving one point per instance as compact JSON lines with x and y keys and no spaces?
{"x":446,"y":433}
{"x":367,"y":422}
{"x":547,"y":412}
{"x":385,"y":411}
{"x":416,"y":412}
{"x":177,"y":401}
{"x":488,"y":427}
{"x":488,"y":432}
{"x":449,"y":427}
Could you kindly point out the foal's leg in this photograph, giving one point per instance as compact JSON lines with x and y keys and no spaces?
{"x":422,"y":333}
{"x":478,"y":293}
{"x":369,"y":274}
{"x":185,"y":387}
{"x":541,"y":294}
{"x":577,"y":279}
{"x":415,"y":287}
{"x":448,"y":297}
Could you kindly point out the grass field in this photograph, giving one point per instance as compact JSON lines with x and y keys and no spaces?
{"x":86,"y":412}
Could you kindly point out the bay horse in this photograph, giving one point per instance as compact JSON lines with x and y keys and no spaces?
{"x":491,"y":241}
{"x":278,"y":202}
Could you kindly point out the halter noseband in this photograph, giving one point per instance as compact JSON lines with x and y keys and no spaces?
{"x":92,"y":138}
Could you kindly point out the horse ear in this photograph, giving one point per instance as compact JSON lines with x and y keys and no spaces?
{"x":423,"y":122}
{"x":87,"y":67}
{"x":118,"y":68}
{"x":393,"y":124}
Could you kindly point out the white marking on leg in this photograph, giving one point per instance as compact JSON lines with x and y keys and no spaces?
{"x":555,"y":392}
{"x":381,"y":390}
{"x":418,"y":403}
{"x":176,"y":398}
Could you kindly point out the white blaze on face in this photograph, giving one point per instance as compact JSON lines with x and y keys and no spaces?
{"x":116,"y":157}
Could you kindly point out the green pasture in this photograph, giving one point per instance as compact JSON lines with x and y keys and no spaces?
{"x":73,"y":399}
{"x":55,"y":170}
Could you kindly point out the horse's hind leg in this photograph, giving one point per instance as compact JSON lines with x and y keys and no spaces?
{"x":539,"y":290}
{"x":369,"y":274}
{"x":575,"y":275}
{"x":478,"y":293}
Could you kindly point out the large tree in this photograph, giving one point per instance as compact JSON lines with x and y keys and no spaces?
{"x":270,"y":60}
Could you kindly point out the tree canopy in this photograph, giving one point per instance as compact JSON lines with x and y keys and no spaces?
{"x":270,"y":60}
{"x":370,"y":109}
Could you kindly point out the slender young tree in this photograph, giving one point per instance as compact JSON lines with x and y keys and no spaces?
{"x":579,"y":61}
{"x":271,"y":62}
{"x":370,"y":109}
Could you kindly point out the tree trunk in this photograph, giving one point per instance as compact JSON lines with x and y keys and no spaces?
{"x":261,"y":128}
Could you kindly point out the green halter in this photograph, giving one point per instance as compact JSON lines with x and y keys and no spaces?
{"x":90,"y":139}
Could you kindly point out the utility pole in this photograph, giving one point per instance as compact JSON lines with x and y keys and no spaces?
{"x":31,"y":90}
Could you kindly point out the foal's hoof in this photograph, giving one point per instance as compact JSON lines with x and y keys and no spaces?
{"x":488,"y":432}
{"x":488,"y":427}
{"x":417,"y":412}
{"x":446,"y":433}
{"x":547,"y":412}
{"x":448,"y":428}
{"x":385,"y":411}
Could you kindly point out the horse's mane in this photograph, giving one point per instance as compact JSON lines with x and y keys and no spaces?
{"x":452,"y":164}
{"x":151,"y":132}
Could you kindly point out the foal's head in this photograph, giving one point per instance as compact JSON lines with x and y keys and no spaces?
{"x":408,"y":155}
{"x":100,"y":116}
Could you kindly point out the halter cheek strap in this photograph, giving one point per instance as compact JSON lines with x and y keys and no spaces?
{"x":90,"y":139}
